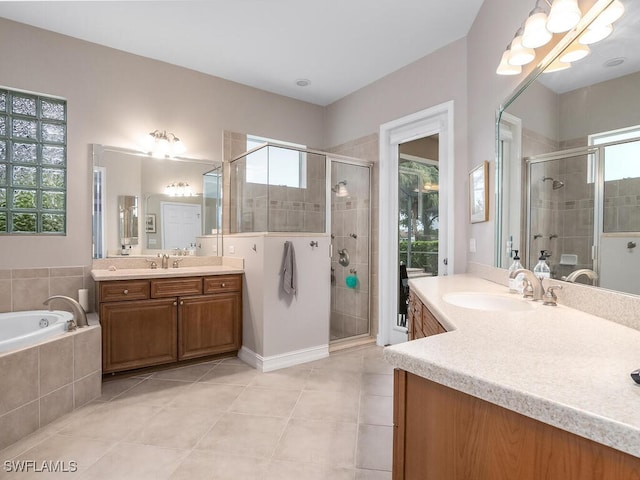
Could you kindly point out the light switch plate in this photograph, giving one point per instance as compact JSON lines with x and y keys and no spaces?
{"x":472,"y":245}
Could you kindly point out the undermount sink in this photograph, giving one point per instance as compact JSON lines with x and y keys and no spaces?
{"x":487,"y":301}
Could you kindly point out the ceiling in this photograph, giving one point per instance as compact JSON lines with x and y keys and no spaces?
{"x":340,"y":46}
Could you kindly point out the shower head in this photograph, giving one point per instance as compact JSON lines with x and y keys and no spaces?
{"x":340,"y":189}
{"x":556,"y":183}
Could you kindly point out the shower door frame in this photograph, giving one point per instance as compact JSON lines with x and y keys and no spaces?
{"x":358,"y":163}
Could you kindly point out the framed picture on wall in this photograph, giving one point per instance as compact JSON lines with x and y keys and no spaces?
{"x":150,"y":223}
{"x":479,"y":193}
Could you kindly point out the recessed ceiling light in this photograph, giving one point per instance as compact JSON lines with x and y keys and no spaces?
{"x":303,"y":82}
{"x":614,"y":62}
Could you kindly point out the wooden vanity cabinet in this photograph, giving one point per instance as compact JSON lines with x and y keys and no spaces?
{"x":443,"y":434}
{"x":157,"y":321}
{"x":421,"y":322}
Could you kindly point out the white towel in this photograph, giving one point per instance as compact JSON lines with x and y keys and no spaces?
{"x":289,"y":269}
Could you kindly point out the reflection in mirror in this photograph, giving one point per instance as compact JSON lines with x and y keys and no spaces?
{"x":128,"y":222}
{"x":567,"y":172}
{"x":180,"y":207}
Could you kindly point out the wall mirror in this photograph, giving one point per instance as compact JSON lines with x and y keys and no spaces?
{"x":178,"y":204}
{"x":568,"y":162}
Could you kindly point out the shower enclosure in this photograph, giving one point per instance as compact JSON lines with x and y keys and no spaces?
{"x":285,"y":191}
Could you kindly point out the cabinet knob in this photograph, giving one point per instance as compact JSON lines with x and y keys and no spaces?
{"x":223,"y":285}
{"x":175,"y":304}
{"x":126,"y":292}
{"x":181,"y":302}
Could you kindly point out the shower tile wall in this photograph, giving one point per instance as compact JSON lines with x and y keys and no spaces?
{"x":621,"y":205}
{"x":26,"y":289}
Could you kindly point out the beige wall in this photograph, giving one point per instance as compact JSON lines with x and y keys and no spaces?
{"x":113,"y":99}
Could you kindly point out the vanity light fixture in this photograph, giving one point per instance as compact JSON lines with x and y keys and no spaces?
{"x":574,"y":52}
{"x":557,"y":66}
{"x":612,"y":13}
{"x":520,"y":55}
{"x":505,"y":68}
{"x":595,"y":32}
{"x":564,"y":15}
{"x":179,"y":189}
{"x":161,"y":144}
{"x":535,"y":28}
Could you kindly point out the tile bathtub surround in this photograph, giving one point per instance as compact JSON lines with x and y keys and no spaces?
{"x":616,"y":307}
{"x":222,"y":420}
{"x":44,"y":382}
{"x":26,"y":288}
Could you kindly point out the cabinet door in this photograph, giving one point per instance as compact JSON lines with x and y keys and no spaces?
{"x":209,"y":324}
{"x":430,"y":325}
{"x":138,"y":334}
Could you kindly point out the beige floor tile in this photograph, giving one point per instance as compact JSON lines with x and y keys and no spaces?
{"x":111,"y":421}
{"x":152,"y":392}
{"x":204,"y":465}
{"x":136,"y":462}
{"x":376,"y":410}
{"x":278,"y":470}
{"x":377,"y":384}
{"x":312,"y":441}
{"x":265,"y":401}
{"x":341,"y":361}
{"x":372,"y":475}
{"x":288,"y":378}
{"x":251,"y":435}
{"x":375,"y":447}
{"x":326,"y":380}
{"x":176,"y":427}
{"x":203,"y":395}
{"x":230,"y":374}
{"x":375,"y":364}
{"x":74,"y":454}
{"x":115,"y":387}
{"x":330,"y":406}
{"x":190,"y":373}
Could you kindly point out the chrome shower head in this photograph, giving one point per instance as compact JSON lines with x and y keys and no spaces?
{"x":556,"y":183}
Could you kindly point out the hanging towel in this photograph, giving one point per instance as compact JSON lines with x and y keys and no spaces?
{"x":289,"y":269}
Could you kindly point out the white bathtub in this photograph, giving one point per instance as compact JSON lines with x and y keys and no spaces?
{"x":21,"y":329}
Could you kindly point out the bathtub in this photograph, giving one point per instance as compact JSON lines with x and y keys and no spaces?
{"x":21,"y":329}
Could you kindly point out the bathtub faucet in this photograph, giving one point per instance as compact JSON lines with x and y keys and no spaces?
{"x":78,"y":312}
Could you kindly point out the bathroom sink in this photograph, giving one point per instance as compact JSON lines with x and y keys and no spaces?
{"x":487,"y":301}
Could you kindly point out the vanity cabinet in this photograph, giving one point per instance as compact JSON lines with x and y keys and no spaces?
{"x":443,"y":434}
{"x":165,"y":320}
{"x":421,"y":322}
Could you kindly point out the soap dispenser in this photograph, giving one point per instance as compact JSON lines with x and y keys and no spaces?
{"x":542,"y":270}
{"x":516,"y":284}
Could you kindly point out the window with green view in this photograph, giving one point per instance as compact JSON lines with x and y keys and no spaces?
{"x":33,"y":163}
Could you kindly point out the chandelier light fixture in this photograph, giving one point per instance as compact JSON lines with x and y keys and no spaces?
{"x":556,"y":16}
{"x":160,"y":144}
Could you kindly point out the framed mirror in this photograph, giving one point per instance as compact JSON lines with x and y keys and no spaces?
{"x":568,"y":161}
{"x":178,"y":204}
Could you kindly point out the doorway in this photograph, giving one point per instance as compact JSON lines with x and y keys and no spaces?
{"x":435,"y":121}
{"x":181,"y":224}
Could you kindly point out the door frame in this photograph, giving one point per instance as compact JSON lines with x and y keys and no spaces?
{"x":434,"y":120}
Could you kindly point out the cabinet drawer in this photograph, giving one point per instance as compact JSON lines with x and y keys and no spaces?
{"x":175,"y":287}
{"x":223,"y":283}
{"x":123,"y":290}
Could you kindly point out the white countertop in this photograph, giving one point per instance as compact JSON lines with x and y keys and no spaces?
{"x":100,"y":275}
{"x":558,"y":365}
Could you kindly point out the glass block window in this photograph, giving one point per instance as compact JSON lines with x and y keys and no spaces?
{"x":33,"y":164}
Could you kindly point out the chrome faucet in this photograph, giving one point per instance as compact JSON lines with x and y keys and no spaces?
{"x":534,"y":281}
{"x":78,"y":312}
{"x":165,"y":260}
{"x":573,"y":276}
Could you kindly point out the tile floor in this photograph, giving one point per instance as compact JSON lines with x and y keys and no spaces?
{"x":326,"y":420}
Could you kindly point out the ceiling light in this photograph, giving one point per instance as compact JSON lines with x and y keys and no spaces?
{"x":595,"y":32}
{"x":564,"y":15}
{"x":574,"y":52}
{"x":161,"y":144}
{"x":505,"y":68}
{"x":520,"y":55}
{"x":556,"y":66}
{"x":614,"y":62}
{"x":612,"y":13}
{"x":535,"y":30}
{"x":303,"y":82}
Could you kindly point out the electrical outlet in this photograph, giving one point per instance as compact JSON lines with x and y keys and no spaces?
{"x":232,"y":249}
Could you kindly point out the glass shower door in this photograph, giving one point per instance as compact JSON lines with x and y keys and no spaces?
{"x":350,"y":237}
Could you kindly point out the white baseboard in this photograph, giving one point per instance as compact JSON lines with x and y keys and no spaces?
{"x":283,"y":360}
